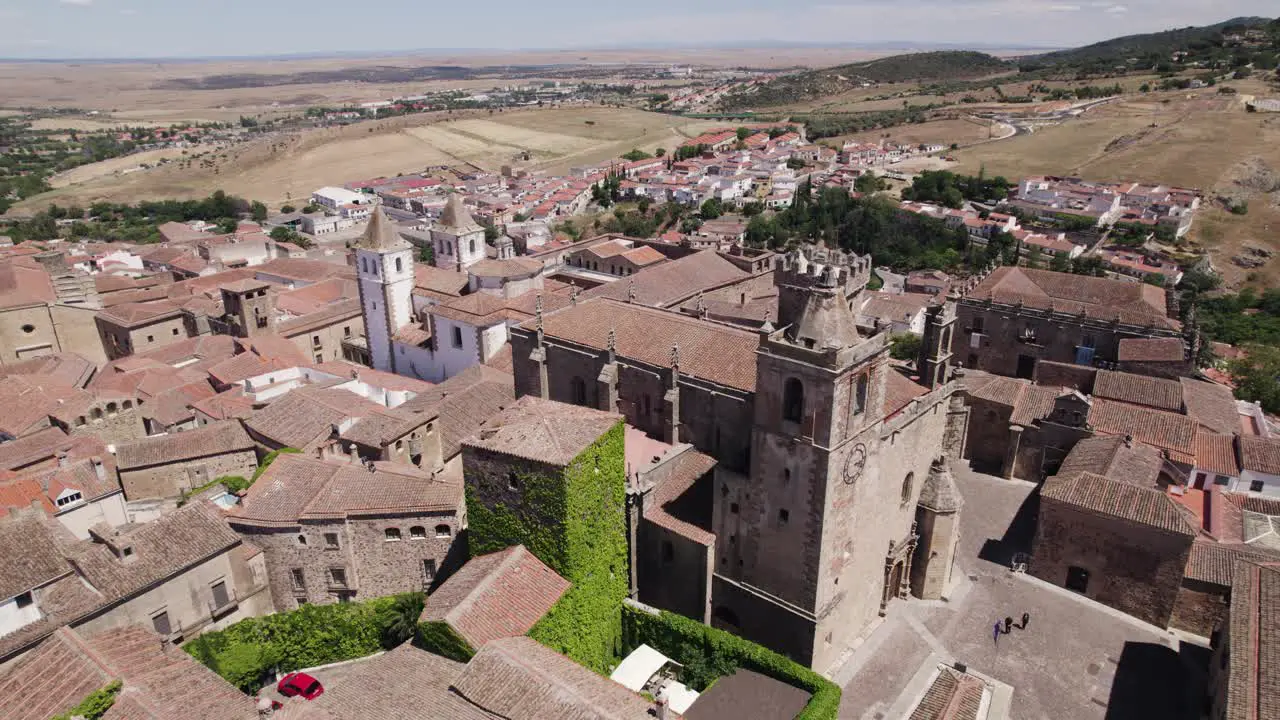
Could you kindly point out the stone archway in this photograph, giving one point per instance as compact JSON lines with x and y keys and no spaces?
{"x":897,"y":569}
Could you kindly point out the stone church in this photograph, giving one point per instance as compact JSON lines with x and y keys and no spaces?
{"x":829,"y":497}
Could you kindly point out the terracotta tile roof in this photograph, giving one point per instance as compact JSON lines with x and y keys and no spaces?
{"x":1253,"y":673}
{"x":477,"y":309}
{"x":438,"y":282}
{"x":543,"y":430}
{"x":130,"y":315}
{"x":175,"y":406}
{"x":81,"y":475}
{"x":1110,"y":456}
{"x":1095,"y":298}
{"x":900,"y":390}
{"x":311,"y":298}
{"x":708,"y":351}
{"x":238,"y":368}
{"x":297,"y":487}
{"x":1139,"y":390}
{"x":159,"y":683}
{"x":1036,"y":403}
{"x":1151,"y":350}
{"x":213,"y":439}
{"x":672,"y":479}
{"x":232,"y":404}
{"x":519,"y":679}
{"x":952,"y":696}
{"x":1211,"y":405}
{"x":307,"y":415}
{"x":1216,"y":454}
{"x":303,"y":270}
{"x":1176,"y":433}
{"x":178,"y":540}
{"x":502,"y":360}
{"x":462,"y":403}
{"x":499,"y":595}
{"x":377,"y":429}
{"x":324,"y":317}
{"x":669,"y":283}
{"x":1260,"y":454}
{"x":403,"y":684}
{"x":1103,"y":496}
{"x":512,"y":268}
{"x":30,"y":554}
{"x":889,"y":307}
{"x":1215,"y":562}
{"x":995,"y":389}
{"x":21,"y":286}
{"x":65,"y":368}
{"x":33,"y":448}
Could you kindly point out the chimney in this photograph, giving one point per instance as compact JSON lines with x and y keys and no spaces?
{"x":662,"y":708}
{"x":62,"y":458}
{"x":98,"y":468}
{"x":355,"y":454}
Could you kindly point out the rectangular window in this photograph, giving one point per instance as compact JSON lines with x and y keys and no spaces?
{"x":299,"y":601}
{"x":1255,"y":486}
{"x":220,"y":596}
{"x":299,"y":579}
{"x":1220,"y":479}
{"x":783,"y":516}
{"x":979,"y":324}
{"x":331,"y":541}
{"x":24,"y":600}
{"x":319,"y":357}
{"x":338,"y":576}
{"x":175,"y":331}
{"x":346,"y":331}
{"x":315,"y":341}
{"x":160,"y":621}
{"x":457,"y":337}
{"x":151,"y":338}
{"x":429,"y":570}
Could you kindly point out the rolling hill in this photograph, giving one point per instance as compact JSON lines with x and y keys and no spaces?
{"x":927,"y":66}
{"x":1155,"y":46}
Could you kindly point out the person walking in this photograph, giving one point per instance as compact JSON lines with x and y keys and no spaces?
{"x":1026,"y":618}
{"x":1008,"y":625}
{"x":995,"y":635}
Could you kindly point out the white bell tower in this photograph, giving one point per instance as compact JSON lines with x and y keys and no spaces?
{"x":384,"y":264}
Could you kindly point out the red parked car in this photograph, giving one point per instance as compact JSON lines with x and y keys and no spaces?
{"x":300,"y":684}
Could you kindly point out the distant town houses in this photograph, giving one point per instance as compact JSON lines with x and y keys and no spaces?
{"x":1107,"y":204}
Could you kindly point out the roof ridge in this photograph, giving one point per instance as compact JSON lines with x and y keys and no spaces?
{"x":512,"y":554}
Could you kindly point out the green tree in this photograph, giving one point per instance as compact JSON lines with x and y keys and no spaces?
{"x":660,"y":152}
{"x":1060,"y":263}
{"x":1256,"y":376}
{"x":905,"y":346}
{"x":286,"y":209}
{"x":398,"y":619}
{"x":636,"y":154}
{"x":1034,"y":257}
{"x":743,"y":133}
{"x":644,"y":205}
{"x":257,"y":211}
{"x":711,"y":209}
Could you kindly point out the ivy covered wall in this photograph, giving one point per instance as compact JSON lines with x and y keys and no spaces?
{"x":574,"y":520}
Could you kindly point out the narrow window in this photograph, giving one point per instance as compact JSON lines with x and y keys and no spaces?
{"x":160,"y":621}
{"x":907,"y":483}
{"x":220,"y":596}
{"x":331,"y":541}
{"x":792,"y":400}
{"x":783,"y":516}
{"x":299,"y":578}
{"x":860,"y":393}
{"x":513,"y":482}
{"x":444,"y":531}
{"x":399,"y":265}
{"x":457,"y":337}
{"x":302,"y":539}
{"x":428,"y":570}
{"x":393,"y":534}
{"x":472,"y":246}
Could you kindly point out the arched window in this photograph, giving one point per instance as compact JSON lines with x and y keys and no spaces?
{"x":579,"y":389}
{"x":907,"y":483}
{"x":417,"y":532}
{"x":444,"y":531}
{"x":399,"y":265}
{"x":860,"y":394}
{"x":111,"y":409}
{"x":128,"y":404}
{"x":392,"y":534}
{"x":97,"y":413}
{"x":792,"y":400}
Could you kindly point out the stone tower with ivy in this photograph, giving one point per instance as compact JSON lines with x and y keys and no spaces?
{"x":552,"y":477}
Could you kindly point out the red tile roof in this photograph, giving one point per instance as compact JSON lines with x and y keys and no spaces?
{"x":1100,"y":495}
{"x":499,"y":595}
{"x":1176,"y":433}
{"x":1151,"y":350}
{"x":543,"y":430}
{"x":1096,"y":298}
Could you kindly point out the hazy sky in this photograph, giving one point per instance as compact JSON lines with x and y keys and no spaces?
{"x":173,"y":28}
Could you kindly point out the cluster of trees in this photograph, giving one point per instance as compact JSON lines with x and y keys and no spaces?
{"x":833,"y":124}
{"x":1088,"y":92}
{"x":606,"y":192}
{"x":950,"y":189}
{"x":136,"y":223}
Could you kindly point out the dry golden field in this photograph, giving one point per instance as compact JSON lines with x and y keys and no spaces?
{"x":277,"y":169}
{"x":1196,"y":139}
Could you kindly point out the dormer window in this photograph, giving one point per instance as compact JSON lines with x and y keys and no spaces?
{"x":68,"y":498}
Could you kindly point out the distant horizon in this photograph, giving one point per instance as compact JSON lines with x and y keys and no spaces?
{"x":888,"y":47}
{"x":178,"y":30}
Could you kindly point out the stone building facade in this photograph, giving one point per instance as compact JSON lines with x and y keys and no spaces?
{"x":822,"y":447}
{"x":1016,"y":317}
{"x":138,"y":327}
{"x":1118,"y":543}
{"x":334,"y":531}
{"x":165,"y":466}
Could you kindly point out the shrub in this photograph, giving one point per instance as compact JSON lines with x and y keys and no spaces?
{"x":270,"y":458}
{"x":439,"y":638}
{"x":95,"y":704}
{"x":708,"y":653}
{"x":246,"y":653}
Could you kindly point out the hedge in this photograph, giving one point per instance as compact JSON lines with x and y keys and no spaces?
{"x":95,"y":704}
{"x":246,"y":653}
{"x":708,"y":653}
{"x":439,"y":638}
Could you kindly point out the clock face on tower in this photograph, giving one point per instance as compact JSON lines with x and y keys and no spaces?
{"x":855,"y":464}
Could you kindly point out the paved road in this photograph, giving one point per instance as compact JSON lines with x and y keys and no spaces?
{"x":1076,"y":659}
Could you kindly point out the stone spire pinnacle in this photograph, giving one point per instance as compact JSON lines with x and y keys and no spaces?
{"x":381,"y":234}
{"x":631,"y":292}
{"x":537,"y":309}
{"x":456,"y":218}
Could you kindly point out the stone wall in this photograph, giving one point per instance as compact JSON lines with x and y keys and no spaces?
{"x":374,"y":566}
{"x":1132,"y":567}
{"x":170,"y":480}
{"x":1055,"y":339}
{"x":674,"y":571}
{"x":1200,"y":607}
{"x":758,"y":618}
{"x":324,"y":343}
{"x":111,"y":426}
{"x":988,"y":440}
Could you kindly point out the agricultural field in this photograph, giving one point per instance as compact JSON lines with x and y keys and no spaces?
{"x":1198,"y":139}
{"x":280,"y":168}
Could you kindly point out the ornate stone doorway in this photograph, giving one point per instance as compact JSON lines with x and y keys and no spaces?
{"x":897,"y":569}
